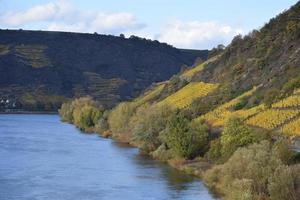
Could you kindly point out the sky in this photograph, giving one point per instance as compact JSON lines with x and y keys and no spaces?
{"x":193,"y":24}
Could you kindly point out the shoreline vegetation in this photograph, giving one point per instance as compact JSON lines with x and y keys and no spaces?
{"x":237,"y":162}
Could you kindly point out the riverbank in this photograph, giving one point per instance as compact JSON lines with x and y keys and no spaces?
{"x":196,"y":167}
{"x":223,"y":161}
{"x":60,"y":162}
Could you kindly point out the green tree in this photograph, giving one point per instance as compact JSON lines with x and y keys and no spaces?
{"x":84,"y":112}
{"x":214,"y":153}
{"x":89,"y":116}
{"x":102,"y":124}
{"x":185,"y":139}
{"x":271,"y":97}
{"x":147,"y":122}
{"x":236,"y":134}
{"x":255,"y":172}
{"x":119,"y":119}
{"x":66,"y":112}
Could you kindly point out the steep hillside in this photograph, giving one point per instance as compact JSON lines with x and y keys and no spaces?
{"x":233,"y":120}
{"x":269,"y":56}
{"x":38,"y":70}
{"x":256,"y":78}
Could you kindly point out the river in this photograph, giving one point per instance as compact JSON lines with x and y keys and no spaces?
{"x":42,"y":158}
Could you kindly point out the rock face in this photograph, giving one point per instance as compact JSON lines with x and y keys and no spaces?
{"x":40,"y":69}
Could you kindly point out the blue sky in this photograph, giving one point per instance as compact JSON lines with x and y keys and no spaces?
{"x":186,"y":24}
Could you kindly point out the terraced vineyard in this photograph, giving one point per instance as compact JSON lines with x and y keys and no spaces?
{"x":297,"y":91}
{"x":101,"y":88}
{"x":219,"y":116}
{"x":185,"y":96}
{"x":149,"y":95}
{"x":33,"y":55}
{"x":292,"y":128}
{"x":272,"y":118}
{"x":282,"y":115}
{"x":291,"y":101}
{"x":4,"y":49}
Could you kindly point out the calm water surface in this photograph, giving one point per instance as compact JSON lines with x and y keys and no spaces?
{"x":42,"y":158}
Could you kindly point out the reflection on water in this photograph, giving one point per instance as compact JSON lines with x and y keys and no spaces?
{"x":42,"y":158}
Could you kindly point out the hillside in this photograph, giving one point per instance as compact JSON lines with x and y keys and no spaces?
{"x":256,"y":78}
{"x":233,"y":119}
{"x":39,"y":70}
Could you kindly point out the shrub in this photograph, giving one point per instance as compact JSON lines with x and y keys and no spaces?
{"x":66,"y":112}
{"x":281,"y":151}
{"x":241,"y":104}
{"x":84,"y":112}
{"x":119,"y":119}
{"x":291,"y":85}
{"x":254,"y":172}
{"x":162,"y":153}
{"x":146,"y":124}
{"x":281,"y":184}
{"x":89,"y":116}
{"x":185,"y":139}
{"x":271,"y":97}
{"x":236,"y":134}
{"x":102,"y":124}
{"x":214,"y":153}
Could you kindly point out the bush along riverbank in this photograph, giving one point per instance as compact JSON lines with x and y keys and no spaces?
{"x":238,"y":162}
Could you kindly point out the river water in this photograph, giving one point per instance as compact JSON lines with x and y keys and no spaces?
{"x":42,"y":158}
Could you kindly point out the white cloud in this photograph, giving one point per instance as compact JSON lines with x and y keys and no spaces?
{"x":46,"y":12}
{"x":60,"y":15}
{"x":197,"y":34}
{"x":109,"y":23}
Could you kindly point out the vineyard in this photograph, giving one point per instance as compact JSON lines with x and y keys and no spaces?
{"x":33,"y":55}
{"x":149,"y":95}
{"x":4,"y":49}
{"x":292,"y":128}
{"x":272,"y":118}
{"x":291,"y":101}
{"x":219,"y":116}
{"x":297,"y":91}
{"x":185,"y":96}
{"x":190,"y":73}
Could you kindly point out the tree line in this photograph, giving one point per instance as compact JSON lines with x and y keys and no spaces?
{"x":247,"y":163}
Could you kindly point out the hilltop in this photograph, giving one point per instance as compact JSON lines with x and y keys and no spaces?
{"x":256,"y":77}
{"x":41,"y":69}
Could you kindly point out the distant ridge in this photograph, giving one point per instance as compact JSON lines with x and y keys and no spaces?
{"x":40,"y":69}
